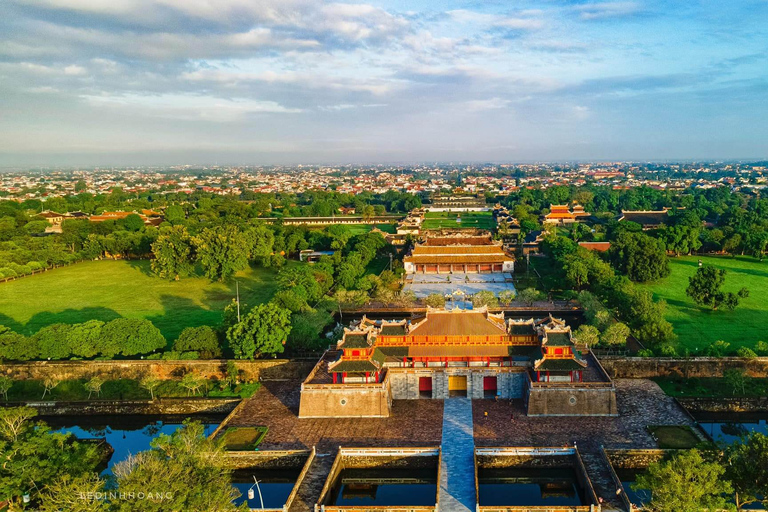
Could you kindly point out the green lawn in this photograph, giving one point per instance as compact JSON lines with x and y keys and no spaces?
{"x":104,"y":290}
{"x":697,"y":327}
{"x":711,"y":387}
{"x":439,"y":220}
{"x":674,"y":437}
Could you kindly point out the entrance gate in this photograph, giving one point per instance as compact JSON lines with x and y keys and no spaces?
{"x":425,"y":387}
{"x":457,"y":385}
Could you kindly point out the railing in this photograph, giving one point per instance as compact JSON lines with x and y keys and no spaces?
{"x":524,"y":451}
{"x":388,"y":452}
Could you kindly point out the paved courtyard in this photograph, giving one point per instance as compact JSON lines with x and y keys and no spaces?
{"x":640,"y":403}
{"x":458,"y":283}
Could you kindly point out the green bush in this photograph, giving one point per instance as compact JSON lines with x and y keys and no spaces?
{"x":746,"y":352}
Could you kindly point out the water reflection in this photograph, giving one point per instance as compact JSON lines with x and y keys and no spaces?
{"x":729,"y":428}
{"x":275,"y":486}
{"x":128,"y":435}
{"x":384,"y":488}
{"x":507,"y":487}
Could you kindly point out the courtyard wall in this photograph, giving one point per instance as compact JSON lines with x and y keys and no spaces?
{"x":699,"y":367}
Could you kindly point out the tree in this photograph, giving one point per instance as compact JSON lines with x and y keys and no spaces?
{"x":506,"y":297}
{"x":640,"y":257}
{"x":192,"y":382}
{"x":48,"y":384}
{"x":263,"y":331}
{"x":746,"y":466}
{"x":685,"y":483}
{"x":172,"y":253}
{"x":74,"y":494}
{"x":34,"y":457}
{"x":83,"y":339}
{"x":530,"y":295}
{"x":485,"y":298}
{"x":587,"y":334}
{"x":737,"y":380}
{"x":5,"y":385}
{"x":615,"y":334}
{"x":94,"y":386}
{"x":132,"y":222}
{"x":704,"y":289}
{"x":53,"y":341}
{"x":132,"y":336}
{"x":201,"y":339}
{"x":222,"y":251}
{"x":435,"y":300}
{"x":150,"y":383}
{"x":192,"y":471}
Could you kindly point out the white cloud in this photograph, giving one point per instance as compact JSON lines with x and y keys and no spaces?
{"x":601,"y":10}
{"x":74,"y":70}
{"x":488,"y":104}
{"x":190,"y":107}
{"x":496,"y":20}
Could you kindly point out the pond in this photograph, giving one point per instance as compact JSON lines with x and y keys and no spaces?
{"x":727,"y":428}
{"x":508,"y":487}
{"x":628,"y":477}
{"x":275,"y":486}
{"x":128,"y":435}
{"x":384,"y":488}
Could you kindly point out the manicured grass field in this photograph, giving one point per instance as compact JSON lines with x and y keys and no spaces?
{"x":711,"y":387}
{"x":104,"y":290}
{"x":477,"y":220}
{"x":696,"y":326}
{"x":671,"y":437}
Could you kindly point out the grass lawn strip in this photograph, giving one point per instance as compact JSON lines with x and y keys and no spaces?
{"x":674,"y":437}
{"x":244,"y":438}
{"x":698,"y":327}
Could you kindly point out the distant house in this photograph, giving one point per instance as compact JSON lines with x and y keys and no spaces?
{"x":532,"y":240}
{"x":646,"y":218}
{"x":596,"y":246}
{"x":562,"y":214}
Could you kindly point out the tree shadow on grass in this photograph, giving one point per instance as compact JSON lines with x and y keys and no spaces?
{"x":180,"y":313}
{"x":68,"y":316}
{"x":11,"y":323}
{"x":142,"y":266}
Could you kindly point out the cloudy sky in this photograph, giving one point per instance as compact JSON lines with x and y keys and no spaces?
{"x":100,"y":82}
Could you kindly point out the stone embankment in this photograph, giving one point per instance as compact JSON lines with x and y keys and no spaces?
{"x":695,"y":367}
{"x":160,"y":406}
{"x":272,"y":369}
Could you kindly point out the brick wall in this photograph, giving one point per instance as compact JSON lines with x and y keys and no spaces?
{"x":338,"y":401}
{"x":572,"y":401}
{"x":274,"y":369}
{"x":700,"y":367}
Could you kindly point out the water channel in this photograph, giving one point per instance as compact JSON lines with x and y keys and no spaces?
{"x":128,"y":435}
{"x":384,"y":488}
{"x":549,"y":487}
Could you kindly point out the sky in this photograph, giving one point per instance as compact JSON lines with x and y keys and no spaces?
{"x":142,"y":82}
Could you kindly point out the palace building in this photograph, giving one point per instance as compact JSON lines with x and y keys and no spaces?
{"x":446,"y":353}
{"x":563,"y":214}
{"x":458,"y":253}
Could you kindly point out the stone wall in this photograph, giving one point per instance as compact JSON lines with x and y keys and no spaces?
{"x":405,"y":382}
{"x":345,"y":401}
{"x":178,"y":406}
{"x":571,"y":401}
{"x":525,"y":461}
{"x":749,"y":404}
{"x":271,"y":459}
{"x":700,"y":367}
{"x":635,"y":459}
{"x":273,"y":369}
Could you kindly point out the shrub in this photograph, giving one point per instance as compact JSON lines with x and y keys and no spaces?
{"x":201,"y":339}
{"x":746,"y":353}
{"x":762,"y":348}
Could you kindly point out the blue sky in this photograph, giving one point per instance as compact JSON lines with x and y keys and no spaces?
{"x":112,"y":82}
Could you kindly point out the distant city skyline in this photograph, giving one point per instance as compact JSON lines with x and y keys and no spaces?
{"x":161,"y":82}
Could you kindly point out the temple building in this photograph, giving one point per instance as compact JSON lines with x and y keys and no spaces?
{"x":458,"y":253}
{"x":646,"y":218}
{"x":447,"y":353}
{"x":563,"y":214}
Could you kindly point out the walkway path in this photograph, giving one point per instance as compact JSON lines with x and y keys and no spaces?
{"x":457,"y":467}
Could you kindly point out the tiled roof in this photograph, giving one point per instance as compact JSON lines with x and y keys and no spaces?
{"x":459,"y":351}
{"x":354,"y":366}
{"x":393,"y":330}
{"x":646,"y":218}
{"x":355,"y":340}
{"x":457,"y":249}
{"x":487,"y":258}
{"x":596,"y":246}
{"x":559,"y":365}
{"x":558,"y":339}
{"x":457,"y":322}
